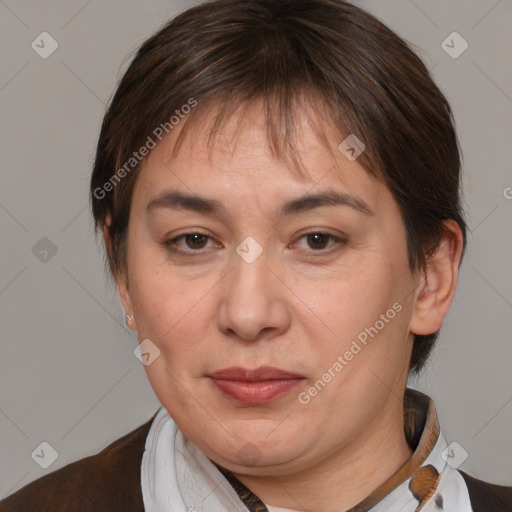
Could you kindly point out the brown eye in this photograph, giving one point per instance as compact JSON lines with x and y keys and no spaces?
{"x":188,"y":243}
{"x":320,"y":243}
{"x":318,"y":240}
{"x":195,"y":240}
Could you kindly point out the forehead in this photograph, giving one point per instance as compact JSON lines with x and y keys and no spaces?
{"x":238,"y":161}
{"x":251,"y":128}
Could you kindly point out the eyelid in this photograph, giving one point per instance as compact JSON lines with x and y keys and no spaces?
{"x":338,"y":240}
{"x":168,"y":242}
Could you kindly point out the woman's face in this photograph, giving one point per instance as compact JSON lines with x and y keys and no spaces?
{"x":284,"y":326}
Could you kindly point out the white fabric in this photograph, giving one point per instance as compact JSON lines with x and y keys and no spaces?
{"x":278,"y":509}
{"x":451,"y":487}
{"x":177,"y":477}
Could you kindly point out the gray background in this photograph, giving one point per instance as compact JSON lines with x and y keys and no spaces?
{"x":68,"y":373}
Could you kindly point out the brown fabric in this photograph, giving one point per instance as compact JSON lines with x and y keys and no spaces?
{"x":106,"y":482}
{"x":424,"y":483}
{"x":110,"y":480}
{"x":486,"y":497}
{"x":421,"y":431}
{"x":247,"y":497}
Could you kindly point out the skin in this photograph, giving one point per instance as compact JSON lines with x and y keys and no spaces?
{"x":298,"y":306}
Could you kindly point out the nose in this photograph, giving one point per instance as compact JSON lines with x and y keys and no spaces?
{"x":253,"y":303}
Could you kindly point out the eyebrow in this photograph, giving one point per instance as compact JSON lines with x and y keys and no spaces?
{"x":176,"y":200}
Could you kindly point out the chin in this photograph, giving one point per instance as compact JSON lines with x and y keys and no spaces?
{"x":254,"y":449}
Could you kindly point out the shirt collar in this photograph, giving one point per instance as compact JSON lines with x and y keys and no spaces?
{"x":422,"y":433}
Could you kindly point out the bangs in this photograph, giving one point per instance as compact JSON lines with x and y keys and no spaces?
{"x":284,"y":117}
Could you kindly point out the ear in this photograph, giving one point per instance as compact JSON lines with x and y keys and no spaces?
{"x":121,"y":280}
{"x":124,"y":296}
{"x":435,"y":292}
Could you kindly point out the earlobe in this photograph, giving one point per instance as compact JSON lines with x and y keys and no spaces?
{"x":124,"y":296}
{"x":121,"y":280}
{"x":123,"y":292}
{"x":436,"y":289}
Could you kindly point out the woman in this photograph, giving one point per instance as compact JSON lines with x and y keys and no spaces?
{"x":277,"y":184}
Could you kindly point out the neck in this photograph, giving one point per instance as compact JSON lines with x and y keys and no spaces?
{"x":346,"y":477}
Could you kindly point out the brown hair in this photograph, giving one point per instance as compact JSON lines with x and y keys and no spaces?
{"x":330,"y":54}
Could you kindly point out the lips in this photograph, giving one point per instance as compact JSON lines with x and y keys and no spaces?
{"x":255,"y":386}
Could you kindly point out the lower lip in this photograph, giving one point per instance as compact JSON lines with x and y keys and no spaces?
{"x":258,"y":392}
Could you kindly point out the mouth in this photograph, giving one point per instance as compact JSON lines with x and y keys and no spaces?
{"x":257,"y":386}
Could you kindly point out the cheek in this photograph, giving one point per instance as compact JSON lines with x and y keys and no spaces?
{"x":366,"y":311}
{"x":351,"y":301}
{"x":176,"y":313}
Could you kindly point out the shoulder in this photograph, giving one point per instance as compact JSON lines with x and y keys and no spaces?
{"x":486,"y":497}
{"x":106,"y":481}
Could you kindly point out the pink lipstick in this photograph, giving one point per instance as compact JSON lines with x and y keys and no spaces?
{"x":255,"y":387}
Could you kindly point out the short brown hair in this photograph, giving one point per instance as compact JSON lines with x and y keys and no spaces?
{"x":329,"y":53}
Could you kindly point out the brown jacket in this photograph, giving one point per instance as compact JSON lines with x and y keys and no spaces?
{"x":110,"y":482}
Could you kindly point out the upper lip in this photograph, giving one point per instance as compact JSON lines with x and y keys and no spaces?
{"x":237,"y":373}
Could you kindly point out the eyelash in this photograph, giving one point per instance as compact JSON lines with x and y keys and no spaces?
{"x":169,"y":243}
